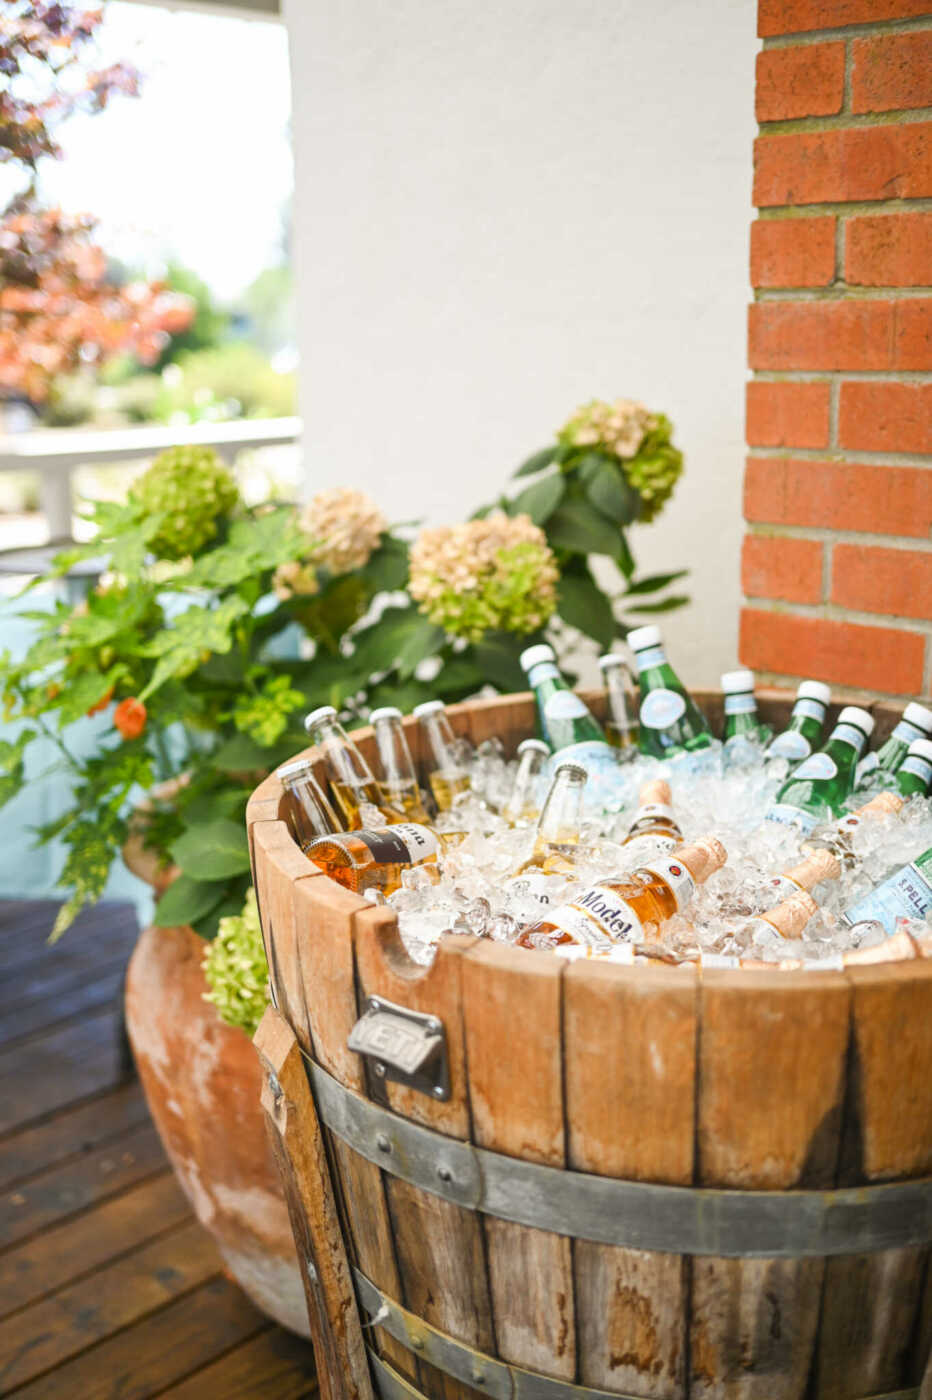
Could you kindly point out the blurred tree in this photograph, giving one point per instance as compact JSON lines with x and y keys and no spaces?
{"x":59,"y":308}
{"x":209,"y":325}
{"x":268,"y":302}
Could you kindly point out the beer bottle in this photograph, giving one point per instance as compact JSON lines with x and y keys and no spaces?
{"x":819,"y":786}
{"x":621,"y":728}
{"x":308,"y":812}
{"x":878,"y":768}
{"x":351,"y":779}
{"x":914,"y":774}
{"x":819,"y":865}
{"x":654,"y":830}
{"x":836,"y":836}
{"x":804,"y":731}
{"x":522,"y":806}
{"x":374,"y":859}
{"x":446,"y":774}
{"x":745,"y":735}
{"x":631,"y":910}
{"x":669,"y":719}
{"x":398,"y":784}
{"x":907,"y":894}
{"x":561,"y":816}
{"x":786,"y":920}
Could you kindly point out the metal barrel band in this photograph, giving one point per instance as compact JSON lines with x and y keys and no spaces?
{"x":631,"y":1214}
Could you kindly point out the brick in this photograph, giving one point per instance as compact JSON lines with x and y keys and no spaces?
{"x":781,"y":567}
{"x":792,"y":252}
{"x":885,"y":660}
{"x":885,"y":417}
{"x":803,"y":81}
{"x":802,"y":16}
{"x":788,"y":415}
{"x":885,"y":250}
{"x":890,"y":72}
{"x":873,"y":579}
{"x":860,"y":163}
{"x":838,"y":335}
{"x":879,"y":500}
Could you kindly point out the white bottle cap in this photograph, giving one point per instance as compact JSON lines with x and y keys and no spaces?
{"x":814,"y":690}
{"x":737,"y":682}
{"x":292,"y":769}
{"x":643,"y":637}
{"x":610,"y":660}
{"x":919,"y":716}
{"x":429,"y":707}
{"x":533,"y":656}
{"x":853,"y":714}
{"x":386,"y":712}
{"x":314,"y":718}
{"x":533,"y":746}
{"x":922,"y":748}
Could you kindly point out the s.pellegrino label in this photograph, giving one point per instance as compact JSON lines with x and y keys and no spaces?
{"x":793,"y":816}
{"x":402,"y":844}
{"x":905,"y":895}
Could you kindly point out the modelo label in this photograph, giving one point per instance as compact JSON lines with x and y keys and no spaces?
{"x":651,"y":811}
{"x":538,"y":887}
{"x":662,"y":708}
{"x":598,"y":915}
{"x":907,"y":895}
{"x":676,"y":876}
{"x":786,"y":815}
{"x":403,"y":844}
{"x":744,"y":704}
{"x":791,"y":745}
{"x":563,"y":704}
{"x":818,"y":765}
{"x":783,"y":885}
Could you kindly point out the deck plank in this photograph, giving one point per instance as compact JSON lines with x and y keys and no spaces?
{"x":72,"y":1132}
{"x":272,"y":1364}
{"x":70,"y":995}
{"x":66,"y":1064}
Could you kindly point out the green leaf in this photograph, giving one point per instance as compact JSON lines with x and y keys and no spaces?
{"x":624,"y":558}
{"x":376,"y":648}
{"x":652,"y":582}
{"x":589,"y":465}
{"x":387,"y":569}
{"x":253,"y":546}
{"x":582,"y":604}
{"x":578,"y":527}
{"x":213,"y":852}
{"x":186,"y":900}
{"x":540,"y":500}
{"x":459,"y":677}
{"x":538,"y":461}
{"x":229,"y":906}
{"x":423,"y":640}
{"x":610,"y":493}
{"x":180,"y":646}
{"x":677,"y":600}
{"x":496,"y":658}
{"x":241,"y":754}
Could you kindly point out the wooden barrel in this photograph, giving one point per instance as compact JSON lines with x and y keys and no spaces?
{"x":588,"y":1180}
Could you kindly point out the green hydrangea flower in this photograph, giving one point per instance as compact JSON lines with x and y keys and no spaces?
{"x":236,"y":970}
{"x":656,"y":468}
{"x":264,"y":716}
{"x":192,"y":489}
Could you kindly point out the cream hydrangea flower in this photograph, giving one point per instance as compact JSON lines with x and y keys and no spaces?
{"x":345,"y":525}
{"x":296,"y":580}
{"x":496,"y":574}
{"x":620,"y":426}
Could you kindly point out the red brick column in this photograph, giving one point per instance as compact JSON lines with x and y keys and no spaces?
{"x":837,"y":562}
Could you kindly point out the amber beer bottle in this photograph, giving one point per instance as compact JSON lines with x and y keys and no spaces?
{"x":398,"y":781}
{"x":654,"y":830}
{"x":374,"y":859}
{"x":560,"y":820}
{"x":447,"y":776}
{"x":819,"y":865}
{"x":631,"y":910}
{"x":308,"y":812}
{"x":352,"y":781}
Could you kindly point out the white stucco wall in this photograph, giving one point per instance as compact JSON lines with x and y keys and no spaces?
{"x":503,"y":209}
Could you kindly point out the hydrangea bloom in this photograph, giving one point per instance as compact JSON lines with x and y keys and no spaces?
{"x":192,"y":488}
{"x":345,"y":526}
{"x":496,"y":574}
{"x":641,"y":441}
{"x":236,"y":970}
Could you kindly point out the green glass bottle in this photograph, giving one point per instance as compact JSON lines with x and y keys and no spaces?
{"x":914,"y":775}
{"x":670,"y":722}
{"x":878,"y":768}
{"x":907,"y":894}
{"x":745,"y":735}
{"x":819,"y":786}
{"x":566,"y":722}
{"x":804,"y":732}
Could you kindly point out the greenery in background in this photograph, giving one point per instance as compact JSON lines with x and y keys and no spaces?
{"x":236,"y":969}
{"x":215,"y":627}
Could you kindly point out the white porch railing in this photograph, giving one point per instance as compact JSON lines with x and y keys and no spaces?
{"x":54,"y":453}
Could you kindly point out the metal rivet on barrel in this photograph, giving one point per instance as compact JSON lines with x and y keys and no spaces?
{"x":444,"y":1173}
{"x":438,"y":1091}
{"x":382,"y":1143}
{"x":417,"y":1343}
{"x":379,"y":1069}
{"x":434,"y":1025}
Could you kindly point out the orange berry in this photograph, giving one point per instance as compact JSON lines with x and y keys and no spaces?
{"x":130,"y":717}
{"x":102,"y":703}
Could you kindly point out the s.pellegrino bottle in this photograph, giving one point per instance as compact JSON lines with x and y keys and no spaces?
{"x":907,"y":894}
{"x":803,"y":734}
{"x":819,"y":786}
{"x":566,"y":722}
{"x":879,"y":768}
{"x":745,"y":734}
{"x":669,"y":719}
{"x":914,"y":775}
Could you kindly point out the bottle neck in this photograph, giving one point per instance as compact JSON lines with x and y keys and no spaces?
{"x":845,"y":737}
{"x":441,"y":741}
{"x":543,"y":671}
{"x":743,"y":703}
{"x":650,"y":657}
{"x":394,"y":754}
{"x":561,"y":815}
{"x":344,"y":761}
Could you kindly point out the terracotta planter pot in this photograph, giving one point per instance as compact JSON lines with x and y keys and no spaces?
{"x":202,"y":1083}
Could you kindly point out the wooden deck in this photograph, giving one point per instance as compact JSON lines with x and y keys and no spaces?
{"x":108,"y":1286}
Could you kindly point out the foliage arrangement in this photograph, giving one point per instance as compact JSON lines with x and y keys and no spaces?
{"x":216,"y":626}
{"x":236,"y":969}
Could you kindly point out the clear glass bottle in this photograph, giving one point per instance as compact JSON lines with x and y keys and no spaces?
{"x":818,"y":787}
{"x":397,"y":781}
{"x":566,"y":722}
{"x":878,"y":768}
{"x":745,"y":736}
{"x":622,"y":729}
{"x":523,"y":805}
{"x":446,"y":774}
{"x":374,"y":859}
{"x":669,"y":719}
{"x":803,"y":734}
{"x":632,"y":910}
{"x":654,"y":830}
{"x":557,"y":834}
{"x":907,"y":894}
{"x":914,"y":775}
{"x":308,"y":812}
{"x":785,"y":921}
{"x":351,"y":779}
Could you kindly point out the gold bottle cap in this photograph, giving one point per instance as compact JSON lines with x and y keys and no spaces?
{"x":656,"y":791}
{"x":792,"y":914}
{"x":702,"y":858}
{"x":899,"y":947}
{"x":820,"y":864}
{"x":885,"y":803}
